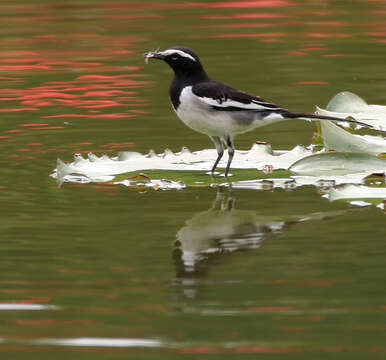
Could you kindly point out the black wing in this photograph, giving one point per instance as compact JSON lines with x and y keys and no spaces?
{"x":222,"y":97}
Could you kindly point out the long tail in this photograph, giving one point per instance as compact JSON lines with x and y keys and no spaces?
{"x":291,"y":115}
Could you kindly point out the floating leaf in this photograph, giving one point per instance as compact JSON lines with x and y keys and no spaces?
{"x":347,"y":101}
{"x":336,"y":138}
{"x":353,"y":192}
{"x":322,"y":169}
{"x":348,"y":105}
{"x":260,"y":156}
{"x":339,"y":163}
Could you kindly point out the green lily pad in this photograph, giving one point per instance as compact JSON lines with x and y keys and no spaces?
{"x":348,"y":105}
{"x":336,"y":138}
{"x":339,"y":163}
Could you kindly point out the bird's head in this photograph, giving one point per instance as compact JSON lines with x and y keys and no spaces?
{"x":180,"y":59}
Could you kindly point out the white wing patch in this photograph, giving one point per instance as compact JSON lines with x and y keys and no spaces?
{"x":179,"y":52}
{"x":253,"y":105}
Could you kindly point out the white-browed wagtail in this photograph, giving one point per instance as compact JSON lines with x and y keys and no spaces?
{"x":215,"y":109}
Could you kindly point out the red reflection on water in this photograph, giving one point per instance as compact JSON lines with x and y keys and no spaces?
{"x":18,"y":53}
{"x":249,"y":35}
{"x":294,"y":53}
{"x":46,"y":94}
{"x":7,"y":78}
{"x":53,"y":321}
{"x":314,"y":48}
{"x":327,"y":23}
{"x":135,"y":16}
{"x":91,"y":150}
{"x":98,"y":116}
{"x":74,"y":271}
{"x":152,"y":5}
{"x":19,"y":109}
{"x":95,"y":85}
{"x":107,"y":78}
{"x":85,"y":143}
{"x":86,"y":104}
{"x":200,"y":350}
{"x":118,"y":145}
{"x":22,"y":150}
{"x":309,"y":14}
{"x":91,"y":91}
{"x":33,"y":124}
{"x":381,"y":41}
{"x":49,"y":128}
{"x":247,"y":16}
{"x":36,"y":300}
{"x":245,"y":4}
{"x":325,"y":35}
{"x":36,"y":322}
{"x":237,"y":26}
{"x":20,"y":60}
{"x":107,"y":93}
{"x":377,"y":33}
{"x":24,"y":67}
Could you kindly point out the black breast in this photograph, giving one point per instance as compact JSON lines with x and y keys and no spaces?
{"x":175,"y":91}
{"x":181,"y":80}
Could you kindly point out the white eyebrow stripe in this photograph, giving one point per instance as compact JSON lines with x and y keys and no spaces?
{"x":179,"y":52}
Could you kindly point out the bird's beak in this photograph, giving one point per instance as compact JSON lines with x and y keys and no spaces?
{"x":153,"y":55}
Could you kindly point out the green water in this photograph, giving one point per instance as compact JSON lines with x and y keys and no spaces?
{"x":203,"y":273}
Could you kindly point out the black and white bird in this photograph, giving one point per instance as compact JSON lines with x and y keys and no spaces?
{"x":215,"y":109}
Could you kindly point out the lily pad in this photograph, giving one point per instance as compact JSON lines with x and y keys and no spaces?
{"x":359,"y":195}
{"x":339,"y":163}
{"x":336,"y":138}
{"x":178,"y":170}
{"x":348,"y":105}
{"x":197,"y":164}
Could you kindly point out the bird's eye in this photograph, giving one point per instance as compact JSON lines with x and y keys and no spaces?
{"x":174,"y":57}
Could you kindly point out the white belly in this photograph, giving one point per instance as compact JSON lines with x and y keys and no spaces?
{"x":200,"y":117}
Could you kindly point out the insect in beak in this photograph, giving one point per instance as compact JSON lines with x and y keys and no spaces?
{"x":152,"y":54}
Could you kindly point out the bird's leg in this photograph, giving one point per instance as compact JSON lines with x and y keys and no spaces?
{"x":231,"y":152}
{"x":220,"y":151}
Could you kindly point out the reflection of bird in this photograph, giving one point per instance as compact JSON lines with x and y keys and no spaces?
{"x":209,"y":235}
{"x":215,"y":109}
